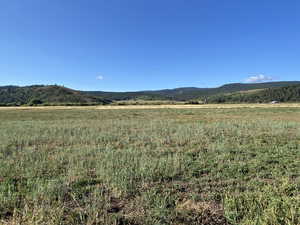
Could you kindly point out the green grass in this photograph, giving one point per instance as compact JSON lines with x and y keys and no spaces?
{"x":163,"y":166}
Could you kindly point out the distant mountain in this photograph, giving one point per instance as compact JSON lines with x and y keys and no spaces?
{"x":280,"y":94}
{"x":188,"y":93}
{"x":238,"y":92}
{"x":51,"y":95}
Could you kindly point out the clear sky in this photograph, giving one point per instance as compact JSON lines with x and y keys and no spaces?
{"x":121,"y":45}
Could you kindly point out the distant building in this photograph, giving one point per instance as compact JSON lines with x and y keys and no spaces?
{"x":274,"y":102}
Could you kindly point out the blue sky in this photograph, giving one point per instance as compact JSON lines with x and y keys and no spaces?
{"x":121,"y":45}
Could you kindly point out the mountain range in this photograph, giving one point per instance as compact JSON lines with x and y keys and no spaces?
{"x":237,"y":92}
{"x":189,"y":93}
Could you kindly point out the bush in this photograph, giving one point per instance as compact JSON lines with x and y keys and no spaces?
{"x":34,"y":102}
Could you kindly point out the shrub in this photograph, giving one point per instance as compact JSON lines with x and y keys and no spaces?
{"x":35,"y":101}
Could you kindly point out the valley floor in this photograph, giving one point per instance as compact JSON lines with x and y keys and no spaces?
{"x":162,"y":106}
{"x":181,"y":164}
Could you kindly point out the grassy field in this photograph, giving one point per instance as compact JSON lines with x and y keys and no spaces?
{"x":162,"y":106}
{"x":209,"y":165}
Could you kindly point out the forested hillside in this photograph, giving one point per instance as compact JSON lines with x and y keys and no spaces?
{"x":282,"y":94}
{"x":46,"y":95}
{"x":188,"y":93}
{"x":58,"y":95}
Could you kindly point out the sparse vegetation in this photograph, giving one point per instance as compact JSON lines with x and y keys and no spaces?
{"x":164,"y":166}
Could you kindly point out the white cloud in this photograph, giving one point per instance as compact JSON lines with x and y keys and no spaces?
{"x":99,"y":77}
{"x":258,"y":78}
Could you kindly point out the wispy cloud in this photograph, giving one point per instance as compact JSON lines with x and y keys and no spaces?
{"x":99,"y":77}
{"x":258,"y":78}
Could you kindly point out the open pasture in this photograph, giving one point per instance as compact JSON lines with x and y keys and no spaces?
{"x":164,"y":165}
{"x":162,"y":106}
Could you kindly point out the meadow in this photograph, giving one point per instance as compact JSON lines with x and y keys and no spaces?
{"x":140,"y":166}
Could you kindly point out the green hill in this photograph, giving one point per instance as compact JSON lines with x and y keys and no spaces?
{"x":188,"y":93}
{"x":58,"y":95}
{"x":280,"y":94}
{"x":47,"y":95}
